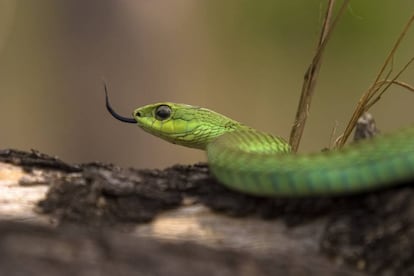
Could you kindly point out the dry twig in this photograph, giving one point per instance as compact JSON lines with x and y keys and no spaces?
{"x":311,"y":74}
{"x":379,"y":87}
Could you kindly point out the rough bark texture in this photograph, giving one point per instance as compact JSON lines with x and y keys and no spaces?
{"x":372,"y":232}
{"x":35,"y":250}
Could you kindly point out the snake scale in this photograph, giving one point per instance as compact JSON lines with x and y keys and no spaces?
{"x":258,"y":163}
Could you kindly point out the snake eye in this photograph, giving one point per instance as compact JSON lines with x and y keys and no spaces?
{"x":162,"y":112}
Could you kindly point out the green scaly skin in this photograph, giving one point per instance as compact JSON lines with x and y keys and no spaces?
{"x":257,"y":163}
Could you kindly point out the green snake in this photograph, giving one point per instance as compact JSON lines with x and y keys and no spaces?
{"x":258,"y":163}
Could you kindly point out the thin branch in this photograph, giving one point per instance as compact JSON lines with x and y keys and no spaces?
{"x":364,"y":102}
{"x":388,"y":83}
{"x":312,"y":73}
{"x":399,"y":83}
{"x":332,"y":136}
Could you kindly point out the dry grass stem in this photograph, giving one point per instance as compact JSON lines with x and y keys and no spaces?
{"x":312,"y":72}
{"x":379,"y":87}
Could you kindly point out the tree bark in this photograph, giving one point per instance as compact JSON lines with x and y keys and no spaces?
{"x":124,"y":217}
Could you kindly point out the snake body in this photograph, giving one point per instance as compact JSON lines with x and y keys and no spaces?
{"x":258,"y":163}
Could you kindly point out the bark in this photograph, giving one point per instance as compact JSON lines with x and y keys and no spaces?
{"x":210,"y":230}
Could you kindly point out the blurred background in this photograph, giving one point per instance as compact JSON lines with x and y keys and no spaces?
{"x":245,"y":59}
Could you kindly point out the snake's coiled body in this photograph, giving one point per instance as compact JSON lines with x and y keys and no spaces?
{"x":257,"y":163}
{"x":366,"y":166}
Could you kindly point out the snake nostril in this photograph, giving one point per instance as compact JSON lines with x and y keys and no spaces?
{"x":137,"y":114}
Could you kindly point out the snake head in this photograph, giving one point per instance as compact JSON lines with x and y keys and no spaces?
{"x":183,"y":124}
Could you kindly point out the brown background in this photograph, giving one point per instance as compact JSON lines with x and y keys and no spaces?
{"x":241,"y":58}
